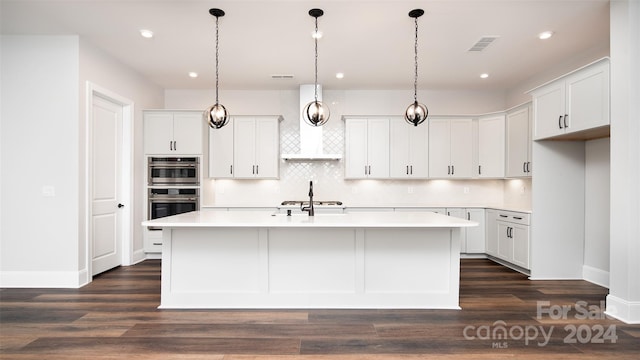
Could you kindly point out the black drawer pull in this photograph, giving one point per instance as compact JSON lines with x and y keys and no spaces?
{"x":503,"y":215}
{"x":517,"y":218}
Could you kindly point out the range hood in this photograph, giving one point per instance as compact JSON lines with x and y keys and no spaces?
{"x":310,"y":136}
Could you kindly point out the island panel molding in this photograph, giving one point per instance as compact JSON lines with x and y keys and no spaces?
{"x":218,"y":259}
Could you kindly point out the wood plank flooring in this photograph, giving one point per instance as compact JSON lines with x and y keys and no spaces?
{"x":116,"y":317}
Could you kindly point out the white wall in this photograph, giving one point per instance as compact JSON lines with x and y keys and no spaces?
{"x":42,"y":238}
{"x":596,"y":216}
{"x":328,"y":176}
{"x":40,"y":137}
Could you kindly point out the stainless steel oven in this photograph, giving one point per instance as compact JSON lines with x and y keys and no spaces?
{"x":172,"y":201}
{"x":174,"y":171}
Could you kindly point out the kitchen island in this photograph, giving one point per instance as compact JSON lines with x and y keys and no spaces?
{"x":257,"y":259}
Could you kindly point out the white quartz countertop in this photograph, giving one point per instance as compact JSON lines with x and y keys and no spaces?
{"x":267,"y":219}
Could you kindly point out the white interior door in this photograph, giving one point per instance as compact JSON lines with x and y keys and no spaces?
{"x":106,"y":164}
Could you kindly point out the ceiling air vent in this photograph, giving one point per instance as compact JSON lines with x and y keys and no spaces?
{"x":482,"y":44}
{"x":282,"y":76}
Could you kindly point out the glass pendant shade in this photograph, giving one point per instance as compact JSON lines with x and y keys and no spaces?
{"x":217,"y":116}
{"x":416,"y":113}
{"x":316,"y":113}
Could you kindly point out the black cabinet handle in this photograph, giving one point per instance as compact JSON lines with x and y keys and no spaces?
{"x":407,"y":169}
{"x":231,"y":169}
{"x":517,"y":217}
{"x":560,"y":122}
{"x":171,"y":145}
{"x":411,"y":169}
{"x":449,"y":170}
{"x":468,"y":215}
{"x":524,"y":167}
{"x":120,"y":206}
{"x":503,"y":216}
{"x":453,"y":169}
{"x":528,"y":170}
{"x":479,"y":169}
{"x":257,"y":169}
{"x":565,"y":120}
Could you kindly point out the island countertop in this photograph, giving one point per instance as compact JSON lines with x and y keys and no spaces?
{"x":268,"y":219}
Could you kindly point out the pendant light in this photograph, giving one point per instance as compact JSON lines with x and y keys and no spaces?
{"x":416,"y":113}
{"x":316,"y":113}
{"x":216,"y":114}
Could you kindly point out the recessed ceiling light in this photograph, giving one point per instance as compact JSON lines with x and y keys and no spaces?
{"x":193,"y":74}
{"x":146,"y":33}
{"x":339,"y":75}
{"x":545,"y":35}
{"x":484,"y":76}
{"x":316,"y":34}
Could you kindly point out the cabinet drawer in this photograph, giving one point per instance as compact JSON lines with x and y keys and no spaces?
{"x":513,"y":217}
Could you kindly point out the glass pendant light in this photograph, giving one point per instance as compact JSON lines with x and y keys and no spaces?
{"x":216,"y":114}
{"x":416,"y":113}
{"x":316,"y":113}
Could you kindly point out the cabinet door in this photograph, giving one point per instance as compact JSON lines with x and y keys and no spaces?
{"x":549,"y":111}
{"x":461,"y":148}
{"x":408,"y":150}
{"x":491,"y":239}
{"x":476,"y":235}
{"x":187,"y":133}
{"x":355,"y":148}
{"x":505,"y":242}
{"x":221,"y":151}
{"x":268,"y":148}
{"x":419,"y":151}
{"x":520,"y":238}
{"x":491,"y":147}
{"x":244,"y":142}
{"x":439,"y":148}
{"x":378,"y":148}
{"x":588,"y":98}
{"x":158,"y":132}
{"x":399,"y":148}
{"x":518,"y":143}
{"x":460,"y":214}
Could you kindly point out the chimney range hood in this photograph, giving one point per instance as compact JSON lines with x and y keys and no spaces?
{"x":310,"y":136}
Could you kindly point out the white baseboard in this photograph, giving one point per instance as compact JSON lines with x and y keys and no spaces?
{"x":138,"y":256}
{"x":43,"y":279}
{"x":627,"y":311}
{"x":595,"y":275}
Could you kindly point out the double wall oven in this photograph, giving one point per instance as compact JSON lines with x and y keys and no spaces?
{"x":173,"y":186}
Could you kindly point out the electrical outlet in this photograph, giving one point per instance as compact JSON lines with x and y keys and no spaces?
{"x":48,"y":191}
{"x":409,"y":189}
{"x":522,"y":190}
{"x":466,"y":189}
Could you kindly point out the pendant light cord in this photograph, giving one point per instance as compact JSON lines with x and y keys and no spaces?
{"x":217,"y":49}
{"x":315,"y":87}
{"x":415,"y":79}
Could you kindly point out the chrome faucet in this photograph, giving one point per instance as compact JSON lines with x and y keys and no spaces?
{"x":310,"y":207}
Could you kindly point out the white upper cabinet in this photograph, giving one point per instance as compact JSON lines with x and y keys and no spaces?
{"x":491,"y":147}
{"x":450,"y":147}
{"x":173,"y":132}
{"x":409,"y":150}
{"x":221,"y":151}
{"x":246,"y":148}
{"x":366,"y":148}
{"x":575,"y":103}
{"x":519,"y":142}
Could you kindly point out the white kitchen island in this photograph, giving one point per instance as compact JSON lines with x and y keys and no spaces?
{"x":255,"y":259}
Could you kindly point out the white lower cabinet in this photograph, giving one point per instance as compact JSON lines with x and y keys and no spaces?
{"x":472,"y":240}
{"x":491,"y":237}
{"x":512,"y":238}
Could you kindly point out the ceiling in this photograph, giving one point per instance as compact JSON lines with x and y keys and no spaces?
{"x":371,"y":42}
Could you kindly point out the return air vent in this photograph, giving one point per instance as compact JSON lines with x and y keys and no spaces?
{"x":482,"y":44}
{"x":282,"y":76}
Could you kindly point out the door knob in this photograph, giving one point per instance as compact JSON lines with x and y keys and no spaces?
{"x":120,"y":206}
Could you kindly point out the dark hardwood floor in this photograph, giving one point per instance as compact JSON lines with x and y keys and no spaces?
{"x":116,"y":317}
